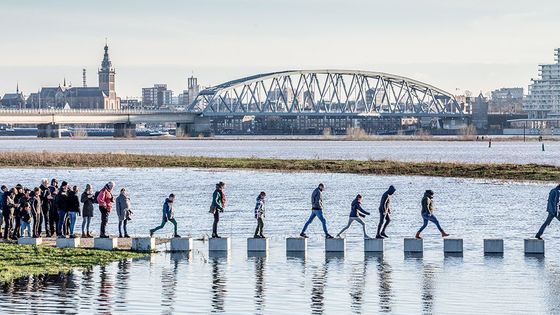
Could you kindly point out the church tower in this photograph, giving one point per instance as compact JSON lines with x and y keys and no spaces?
{"x":107,"y":81}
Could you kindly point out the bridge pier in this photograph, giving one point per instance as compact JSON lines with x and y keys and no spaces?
{"x":200,"y":126}
{"x":124,"y":130}
{"x":184,"y":130}
{"x":48,"y":130}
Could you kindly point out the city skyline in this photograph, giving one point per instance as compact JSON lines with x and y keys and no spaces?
{"x":457,"y":46}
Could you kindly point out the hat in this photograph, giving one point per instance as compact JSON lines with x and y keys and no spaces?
{"x":110,"y":185}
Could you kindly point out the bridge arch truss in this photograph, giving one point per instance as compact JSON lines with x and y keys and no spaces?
{"x":324,"y":93}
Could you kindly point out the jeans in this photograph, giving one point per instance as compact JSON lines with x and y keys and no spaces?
{"x":545,"y":224}
{"x":215,"y":224}
{"x":60,"y":223}
{"x":25,"y":226}
{"x":104,"y":219}
{"x":163,"y":222}
{"x":427,"y":218}
{"x":318,"y":214}
{"x":36,"y":223}
{"x":85,"y":225}
{"x":53,"y":221}
{"x":122,"y":224}
{"x":260,"y":226}
{"x":46,"y":219}
{"x":72,"y":215}
{"x":357,"y":219}
{"x":384,"y":220}
{"x":8,"y":219}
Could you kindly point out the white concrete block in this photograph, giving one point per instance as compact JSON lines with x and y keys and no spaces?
{"x":30,"y":241}
{"x":68,"y":242}
{"x":335,"y":245}
{"x":413,"y":245}
{"x":373,"y":245}
{"x":452,"y":245}
{"x":296,"y":244}
{"x":493,"y":246}
{"x":181,"y":244}
{"x":257,"y":244}
{"x":222,"y":244}
{"x":143,"y":244}
{"x":105,"y":243}
{"x":534,"y":246}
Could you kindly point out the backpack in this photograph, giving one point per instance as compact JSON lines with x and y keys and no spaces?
{"x":95,"y":196}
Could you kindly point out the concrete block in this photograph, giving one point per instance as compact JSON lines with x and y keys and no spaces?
{"x":335,"y":245}
{"x":296,"y":244}
{"x":534,"y":246}
{"x":222,"y":244}
{"x":493,"y":246}
{"x":105,"y":243}
{"x":30,"y":241}
{"x":181,"y":244}
{"x":452,"y":245}
{"x":373,"y":245}
{"x":68,"y":242}
{"x":257,"y":244}
{"x":413,"y":245}
{"x":143,"y":244}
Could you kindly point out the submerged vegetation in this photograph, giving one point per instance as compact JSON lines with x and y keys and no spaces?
{"x":441,"y":169}
{"x":23,"y":260}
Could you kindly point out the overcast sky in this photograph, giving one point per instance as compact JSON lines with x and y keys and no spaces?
{"x":476,"y":45}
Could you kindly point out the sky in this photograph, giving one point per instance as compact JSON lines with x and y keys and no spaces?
{"x":475,"y":45}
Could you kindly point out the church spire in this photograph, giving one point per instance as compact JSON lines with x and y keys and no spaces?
{"x":17,"y":87}
{"x":106,"y":63}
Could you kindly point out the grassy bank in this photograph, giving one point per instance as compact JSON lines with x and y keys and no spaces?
{"x":19,"y":260}
{"x":440,"y":169}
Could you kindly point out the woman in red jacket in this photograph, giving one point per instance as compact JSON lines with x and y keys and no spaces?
{"x":105,"y":201}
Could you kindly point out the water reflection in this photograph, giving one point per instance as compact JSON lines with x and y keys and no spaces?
{"x":105,"y":291}
{"x":384,"y":271}
{"x":218,"y":283}
{"x":428,"y":286}
{"x":318,"y":281}
{"x":259,"y":285}
{"x":122,"y":280}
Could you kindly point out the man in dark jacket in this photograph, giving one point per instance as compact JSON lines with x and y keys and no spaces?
{"x":62,"y":204}
{"x":428,"y":214}
{"x":385,"y":212}
{"x":19,"y":200}
{"x":44,"y":205}
{"x":357,"y":213}
{"x":317,"y":211}
{"x":553,"y":207}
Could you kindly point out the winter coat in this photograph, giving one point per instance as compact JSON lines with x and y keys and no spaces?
{"x":427,"y":205}
{"x":168,"y":212}
{"x":73,"y":202}
{"x":105,"y":199}
{"x":36,"y":206}
{"x":357,"y":210}
{"x":317,"y":199}
{"x":87,"y":200}
{"x":9,"y":206}
{"x":385,"y":205}
{"x":218,"y":201}
{"x":259,"y":208}
{"x":553,"y":201}
{"x":122,"y":205}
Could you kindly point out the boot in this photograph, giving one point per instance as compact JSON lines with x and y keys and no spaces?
{"x":384,"y":235}
{"x":443,"y":234}
{"x":418,"y":235}
{"x":303,"y":235}
{"x":379,"y":237}
{"x":84,"y":235}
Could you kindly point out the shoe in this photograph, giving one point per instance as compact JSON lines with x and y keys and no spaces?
{"x":217,"y":236}
{"x":120,"y":235}
{"x":177,"y":236}
{"x":443,"y":234}
{"x":367,"y":237}
{"x":104,"y":236}
{"x":328,"y":236}
{"x":256,"y":236}
{"x":89,"y":235}
{"x":379,"y":237}
{"x":151,"y":233}
{"x":126,"y":236}
{"x":262,"y":236}
{"x":418,"y":235}
{"x":538,"y":237}
{"x":303,"y":235}
{"x":384,"y":235}
{"x":84,"y":235}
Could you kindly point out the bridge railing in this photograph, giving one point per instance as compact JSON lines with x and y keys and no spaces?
{"x":51,"y":111}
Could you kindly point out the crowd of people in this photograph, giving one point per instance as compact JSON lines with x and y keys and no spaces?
{"x":52,"y":210}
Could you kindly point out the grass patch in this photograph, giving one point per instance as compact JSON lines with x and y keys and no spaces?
{"x":532,"y":172}
{"x":23,"y":260}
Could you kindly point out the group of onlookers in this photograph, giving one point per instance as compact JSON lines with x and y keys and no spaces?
{"x":54,"y":207}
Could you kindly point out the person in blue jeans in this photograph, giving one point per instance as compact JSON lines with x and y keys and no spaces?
{"x":73,"y":208}
{"x":62,"y":205}
{"x":553,"y":207}
{"x":317,"y":211}
{"x":428,"y":214}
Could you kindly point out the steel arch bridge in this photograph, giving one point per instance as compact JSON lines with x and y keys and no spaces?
{"x":340,"y":93}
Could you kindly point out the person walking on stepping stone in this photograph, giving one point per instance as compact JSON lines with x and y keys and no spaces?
{"x":218,"y":205}
{"x":553,"y":209}
{"x":259,"y":214}
{"x":168,"y":214}
{"x":385,"y":212}
{"x":357,"y":213}
{"x":428,"y":214}
{"x":317,"y":211}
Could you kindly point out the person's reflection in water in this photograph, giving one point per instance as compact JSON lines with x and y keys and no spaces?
{"x":428,"y":275}
{"x":169,"y":279}
{"x":121,"y":285}
{"x":218,"y":284}
{"x":318,"y":282}
{"x":357,"y":286}
{"x":259,"y":285}
{"x":105,"y":291}
{"x":385,"y":284}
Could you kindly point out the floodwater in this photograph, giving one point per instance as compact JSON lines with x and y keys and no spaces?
{"x":444,"y":151}
{"x":318,"y":283}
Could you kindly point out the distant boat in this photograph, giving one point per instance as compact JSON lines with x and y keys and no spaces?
{"x":159,"y":134}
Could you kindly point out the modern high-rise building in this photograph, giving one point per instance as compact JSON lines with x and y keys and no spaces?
{"x":156,"y":96}
{"x":543,"y":99}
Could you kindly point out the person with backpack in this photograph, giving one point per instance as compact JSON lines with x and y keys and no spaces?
{"x":168,"y":214}
{"x":428,"y":214}
{"x":218,"y":206}
{"x":36,"y":210}
{"x":357,"y":213}
{"x":124,"y":209}
{"x":385,"y":212}
{"x":105,"y":200}
{"x":259,"y":215}
{"x":553,"y":209}
{"x":88,"y":199}
{"x":316,"y":211}
{"x":73,"y":209}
